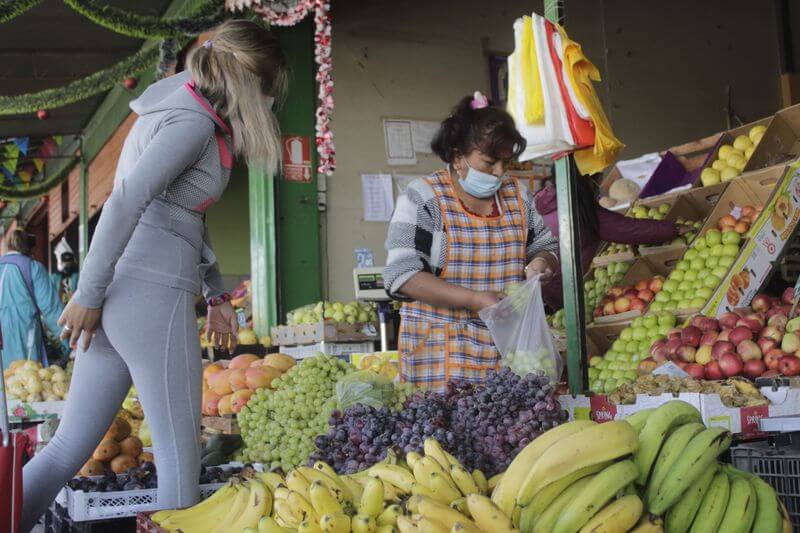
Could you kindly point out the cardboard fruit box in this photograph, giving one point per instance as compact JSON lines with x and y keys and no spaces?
{"x":781,"y":140}
{"x":325,"y":331}
{"x":769,"y":235}
{"x":642,"y":268}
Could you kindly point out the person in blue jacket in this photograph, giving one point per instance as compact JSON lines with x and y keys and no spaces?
{"x":65,"y":280}
{"x":28,"y":301}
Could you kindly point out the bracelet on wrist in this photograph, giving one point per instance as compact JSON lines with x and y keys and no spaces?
{"x":219,"y":300}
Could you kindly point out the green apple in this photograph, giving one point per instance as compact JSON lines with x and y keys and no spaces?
{"x":731,"y":250}
{"x":656,"y":305}
{"x":610,"y":386}
{"x":597,"y":361}
{"x":718,"y":165}
{"x":710,"y":176}
{"x":685,"y":304}
{"x":616,"y":374}
{"x":626,"y":335}
{"x":614,"y":365}
{"x":726,"y":261}
{"x":720,"y":272}
{"x":697,"y":303}
{"x":690,"y":254}
{"x":676,"y":296}
{"x":728,"y":173}
{"x":724,"y":151}
{"x":637,"y":322}
{"x":593,"y":373}
{"x":713,"y":236}
{"x":731,"y":237}
{"x":705,"y":292}
{"x":698,"y":285}
{"x":717,"y":250}
{"x":652,"y":331}
{"x":666,"y":319}
{"x":661,"y":297}
{"x":711,"y":262}
{"x":650,"y":321}
{"x":712,"y":281}
{"x":664,"y":208}
{"x":632,"y":346}
{"x":664,"y":329}
{"x":618,"y":345}
{"x":604,"y":374}
{"x":737,"y":161}
{"x":597,"y":386}
{"x":700,"y":243}
{"x":756,"y":132}
{"x":677,"y":275}
{"x":697,"y":265}
{"x":610,"y":356}
{"x":670,"y":305}
{"x":742,"y":143}
{"x":704,"y":254}
{"x":690,"y":275}
{"x":670,"y":285}
{"x":682,"y":265}
{"x":644,"y":345}
{"x":639,"y":334}
{"x":631,"y":375}
{"x":685,"y":285}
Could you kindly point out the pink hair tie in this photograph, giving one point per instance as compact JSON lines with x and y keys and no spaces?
{"x":207,"y":43}
{"x":479,"y":101}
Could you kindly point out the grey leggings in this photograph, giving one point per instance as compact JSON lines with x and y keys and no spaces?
{"x":149,"y":333}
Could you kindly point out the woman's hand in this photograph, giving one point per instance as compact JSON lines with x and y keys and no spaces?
{"x":77,"y":319}
{"x":482,"y":299}
{"x":683,"y":229}
{"x":222,"y":326}
{"x":543,"y":264}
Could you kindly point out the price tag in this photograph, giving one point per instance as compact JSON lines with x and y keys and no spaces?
{"x":670,"y":369}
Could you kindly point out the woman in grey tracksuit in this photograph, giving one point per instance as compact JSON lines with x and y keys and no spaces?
{"x":151,"y":256}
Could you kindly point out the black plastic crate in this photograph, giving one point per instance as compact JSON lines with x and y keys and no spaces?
{"x":777,"y":465}
{"x":57,"y":520}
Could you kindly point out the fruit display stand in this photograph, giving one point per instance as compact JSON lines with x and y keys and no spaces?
{"x":31,"y":411}
{"x":604,"y":258}
{"x":770,"y":233}
{"x":779,"y":143}
{"x":641,"y":270}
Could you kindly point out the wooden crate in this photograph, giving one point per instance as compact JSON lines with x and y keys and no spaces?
{"x":226,"y":424}
{"x":327,"y":331}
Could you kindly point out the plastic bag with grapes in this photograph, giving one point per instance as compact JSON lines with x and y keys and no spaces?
{"x":364,"y":387}
{"x":520,"y":332}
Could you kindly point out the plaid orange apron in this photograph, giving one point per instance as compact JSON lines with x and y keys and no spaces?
{"x":484,"y":254}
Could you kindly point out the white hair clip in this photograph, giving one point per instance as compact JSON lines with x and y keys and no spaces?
{"x":207,"y":43}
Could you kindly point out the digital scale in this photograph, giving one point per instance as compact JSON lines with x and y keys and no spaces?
{"x":369,"y":288}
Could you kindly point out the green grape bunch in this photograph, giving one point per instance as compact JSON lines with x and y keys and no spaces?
{"x":279,"y":425}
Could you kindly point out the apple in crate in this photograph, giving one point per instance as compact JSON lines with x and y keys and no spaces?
{"x":754,"y":368}
{"x":712,"y":370}
{"x":731,"y":364}
{"x":772,"y":358}
{"x":789,"y":365}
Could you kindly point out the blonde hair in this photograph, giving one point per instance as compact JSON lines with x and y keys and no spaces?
{"x":20,"y":241}
{"x":242,"y":66}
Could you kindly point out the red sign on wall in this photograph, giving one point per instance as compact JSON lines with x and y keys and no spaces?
{"x":297,"y":158}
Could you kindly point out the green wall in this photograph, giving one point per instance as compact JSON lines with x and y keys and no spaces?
{"x":229,"y":225}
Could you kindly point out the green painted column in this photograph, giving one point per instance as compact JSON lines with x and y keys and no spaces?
{"x":83,"y":209}
{"x":263,"y":249}
{"x":569,"y":240}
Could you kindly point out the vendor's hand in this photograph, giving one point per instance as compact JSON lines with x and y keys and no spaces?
{"x":77,"y":319}
{"x":222,"y":326}
{"x":544,"y":265}
{"x":683,"y":229}
{"x":482,"y":299}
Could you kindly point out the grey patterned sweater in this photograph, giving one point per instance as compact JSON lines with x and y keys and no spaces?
{"x":417,"y":241}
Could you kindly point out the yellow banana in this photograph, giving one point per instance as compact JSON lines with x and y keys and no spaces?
{"x":434,"y":450}
{"x":505,"y":493}
{"x":548,"y":519}
{"x":390,"y":493}
{"x":335,"y":523}
{"x":236,"y":508}
{"x":389,"y":515}
{"x":481,"y":481}
{"x":439,"y":512}
{"x":493,"y":481}
{"x":309,"y":526}
{"x":451,"y":458}
{"x":322,"y":501}
{"x":421,"y":490}
{"x":301,"y":507}
{"x":297,"y":482}
{"x":466,"y":526}
{"x":442,"y":490}
{"x":284,"y":513}
{"x":267,"y":524}
{"x":371,"y":502}
{"x":427,"y":466}
{"x":412,"y":504}
{"x":546,"y":496}
{"x":386,"y":529}
{"x":270,"y":479}
{"x":398,"y":476}
{"x":428,"y":525}
{"x":463,"y":480}
{"x":259,"y":504}
{"x":461,"y":506}
{"x":325,"y":468}
{"x":487,"y":515}
{"x":281,"y":493}
{"x":619,"y":515}
{"x":412,"y":458}
{"x":363,"y":524}
{"x":206,"y":519}
{"x":312,"y":475}
{"x":355,"y":487}
{"x":406,"y":525}
{"x":221,"y":498}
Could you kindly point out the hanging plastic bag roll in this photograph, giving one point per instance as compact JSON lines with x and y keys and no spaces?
{"x":520,"y":332}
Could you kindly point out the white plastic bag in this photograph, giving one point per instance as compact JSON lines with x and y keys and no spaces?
{"x":520,"y":332}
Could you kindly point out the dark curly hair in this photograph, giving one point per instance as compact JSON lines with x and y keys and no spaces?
{"x":490,"y":130}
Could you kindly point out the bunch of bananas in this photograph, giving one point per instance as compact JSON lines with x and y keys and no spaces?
{"x":682,"y":481}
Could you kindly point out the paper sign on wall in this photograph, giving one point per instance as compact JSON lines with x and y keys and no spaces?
{"x":422,"y":133}
{"x":401,"y":181}
{"x":399,"y":139}
{"x":376,"y":191}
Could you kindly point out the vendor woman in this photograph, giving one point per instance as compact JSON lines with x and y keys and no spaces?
{"x":457,"y":240}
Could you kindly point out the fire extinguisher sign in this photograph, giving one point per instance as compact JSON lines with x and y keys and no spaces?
{"x":297,"y":158}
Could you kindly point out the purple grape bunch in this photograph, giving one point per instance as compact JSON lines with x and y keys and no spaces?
{"x":483,"y":425}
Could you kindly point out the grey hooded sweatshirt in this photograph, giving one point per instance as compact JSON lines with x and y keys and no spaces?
{"x":174,"y":165}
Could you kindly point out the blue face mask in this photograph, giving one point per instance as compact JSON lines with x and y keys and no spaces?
{"x":480,"y":184}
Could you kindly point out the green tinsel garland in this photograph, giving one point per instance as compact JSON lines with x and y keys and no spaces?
{"x":144,"y":27}
{"x":81,"y":89}
{"x":10,"y":9}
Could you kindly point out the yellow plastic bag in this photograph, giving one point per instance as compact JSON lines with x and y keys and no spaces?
{"x":531,"y":78}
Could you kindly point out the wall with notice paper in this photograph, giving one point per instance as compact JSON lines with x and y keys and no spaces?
{"x":669,"y":63}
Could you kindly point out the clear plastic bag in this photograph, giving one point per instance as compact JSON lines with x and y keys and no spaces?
{"x":364,"y":387}
{"x":520,"y":332}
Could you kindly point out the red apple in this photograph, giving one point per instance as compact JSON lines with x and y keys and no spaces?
{"x":687,"y":352}
{"x":681,"y":364}
{"x":674,"y":331}
{"x":754,"y":368}
{"x":606,"y":299}
{"x":598,"y":311}
{"x":712,"y":370}
{"x":722,"y":347}
{"x":766,"y":344}
{"x":638,"y":304}
{"x":789,"y":365}
{"x":771,"y":373}
{"x":771,"y":332}
{"x":731,"y":365}
{"x":609,"y":309}
{"x":691,"y":335}
{"x":748,"y":350}
{"x":622,"y":304}
{"x":641,"y":285}
{"x":778,"y":320}
{"x":724,"y":335}
{"x":739,"y":334}
{"x":646,"y":294}
{"x":753,"y":322}
{"x":697,"y":320}
{"x":646,"y":366}
{"x":694,"y":370}
{"x":631,"y":293}
{"x":761,"y":303}
{"x":656,"y":346}
{"x":787,"y":297}
{"x":728,"y":320}
{"x":773,"y":358}
{"x":616,"y":292}
{"x":709,"y":324}
{"x":672,"y":346}
{"x":656,"y":284}
{"x":709,"y":338}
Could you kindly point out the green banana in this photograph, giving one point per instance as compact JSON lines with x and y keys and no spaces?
{"x":595,"y":495}
{"x":769,"y":517}
{"x":547,"y":521}
{"x":546,"y":496}
{"x":712,"y":508}
{"x":672,"y":449}
{"x":639,"y":418}
{"x":741,"y":510}
{"x":659,"y":423}
{"x":701,"y":452}
{"x":681,"y":515}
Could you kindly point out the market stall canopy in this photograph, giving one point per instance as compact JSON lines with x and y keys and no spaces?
{"x":51,"y":45}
